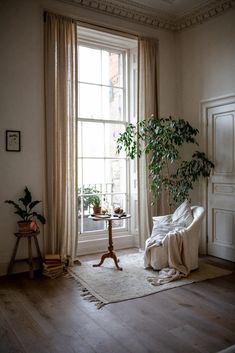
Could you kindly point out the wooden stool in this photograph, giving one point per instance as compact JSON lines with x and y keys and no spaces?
{"x":30,"y":259}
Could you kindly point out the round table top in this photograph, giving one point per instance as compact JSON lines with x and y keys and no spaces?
{"x":108,"y":217}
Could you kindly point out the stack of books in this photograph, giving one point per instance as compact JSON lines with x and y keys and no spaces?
{"x":52,"y":266}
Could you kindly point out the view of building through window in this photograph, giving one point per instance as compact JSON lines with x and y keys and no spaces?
{"x":103,"y":112}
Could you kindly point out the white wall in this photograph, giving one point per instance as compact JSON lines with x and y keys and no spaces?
{"x":21,"y":108}
{"x":206,"y":57}
{"x":207,"y":62}
{"x":22,"y":102}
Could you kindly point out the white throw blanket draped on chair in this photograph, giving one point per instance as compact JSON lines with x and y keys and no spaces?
{"x":178,"y":257}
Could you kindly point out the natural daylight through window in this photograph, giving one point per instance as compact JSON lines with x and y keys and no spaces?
{"x":107,"y":71}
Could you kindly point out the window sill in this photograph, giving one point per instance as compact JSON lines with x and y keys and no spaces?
{"x":97,"y":245}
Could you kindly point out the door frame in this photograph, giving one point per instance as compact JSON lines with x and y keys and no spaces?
{"x":205,"y":105}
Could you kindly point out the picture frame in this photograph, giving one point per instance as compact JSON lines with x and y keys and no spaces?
{"x":13,"y":141}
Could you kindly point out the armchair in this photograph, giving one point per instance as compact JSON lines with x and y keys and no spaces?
{"x":156,"y":255}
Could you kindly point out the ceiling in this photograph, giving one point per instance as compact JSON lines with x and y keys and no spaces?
{"x":172,"y":15}
{"x":169,"y":8}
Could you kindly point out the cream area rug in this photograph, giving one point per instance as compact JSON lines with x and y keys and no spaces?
{"x":105,"y":284}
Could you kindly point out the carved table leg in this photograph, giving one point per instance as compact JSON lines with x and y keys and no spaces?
{"x":110,"y":254}
{"x":113,"y":256}
{"x":103,"y":257}
{"x":116,"y":260}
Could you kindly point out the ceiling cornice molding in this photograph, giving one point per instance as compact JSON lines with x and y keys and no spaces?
{"x":134,"y":12}
{"x":123,"y":12}
{"x":203,"y":14}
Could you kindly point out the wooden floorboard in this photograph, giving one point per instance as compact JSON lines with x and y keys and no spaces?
{"x":8,"y":340}
{"x":50,"y":316}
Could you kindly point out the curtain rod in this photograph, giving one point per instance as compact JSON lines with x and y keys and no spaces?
{"x":95,"y":25}
{"x":102,"y":27}
{"x":88,"y":24}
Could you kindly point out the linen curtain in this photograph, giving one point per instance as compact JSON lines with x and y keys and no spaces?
{"x":60,"y":114}
{"x":148,"y":105}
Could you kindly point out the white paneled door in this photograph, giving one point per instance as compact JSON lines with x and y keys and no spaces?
{"x":221,"y":187}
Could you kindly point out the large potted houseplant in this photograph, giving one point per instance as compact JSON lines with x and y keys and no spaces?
{"x":162,"y":140}
{"x":24,"y":209}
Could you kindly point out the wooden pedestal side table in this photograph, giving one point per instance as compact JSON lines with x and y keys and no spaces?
{"x":29,"y":236}
{"x":110,"y":252}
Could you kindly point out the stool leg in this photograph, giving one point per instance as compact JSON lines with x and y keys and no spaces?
{"x":30,"y":258}
{"x":38,"y":249}
{"x":10,"y":267}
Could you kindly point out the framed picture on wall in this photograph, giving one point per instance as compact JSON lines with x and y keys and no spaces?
{"x":13,"y":143}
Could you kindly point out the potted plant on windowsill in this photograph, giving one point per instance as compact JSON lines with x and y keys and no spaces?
{"x":95,"y":201}
{"x":91,"y":198}
{"x":24,"y":210}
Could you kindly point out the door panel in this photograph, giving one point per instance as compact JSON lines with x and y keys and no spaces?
{"x":221,"y":186}
{"x":223,"y":135}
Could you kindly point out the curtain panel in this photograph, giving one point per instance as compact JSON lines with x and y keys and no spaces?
{"x":148,"y":105}
{"x":60,"y":124}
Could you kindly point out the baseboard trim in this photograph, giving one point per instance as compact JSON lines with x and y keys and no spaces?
{"x":19,"y":267}
{"x":85,"y":247}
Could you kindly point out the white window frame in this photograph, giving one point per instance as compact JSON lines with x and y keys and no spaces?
{"x":86,"y":39}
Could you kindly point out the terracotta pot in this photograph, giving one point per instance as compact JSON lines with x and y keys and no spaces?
{"x":97,"y":210}
{"x":24,"y":227}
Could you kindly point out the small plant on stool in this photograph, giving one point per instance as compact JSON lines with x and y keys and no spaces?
{"x":24,"y":210}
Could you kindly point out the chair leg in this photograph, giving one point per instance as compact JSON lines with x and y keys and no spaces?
{"x":38,"y":249}
{"x":11,"y":264}
{"x":31,"y":275}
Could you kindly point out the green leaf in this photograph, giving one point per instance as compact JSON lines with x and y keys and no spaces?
{"x":28,"y":204}
{"x":27,"y":197}
{"x":39,"y":217}
{"x":33,"y":204}
{"x":162,"y":139}
{"x":12,"y":203}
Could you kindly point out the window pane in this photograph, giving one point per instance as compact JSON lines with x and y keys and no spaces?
{"x":86,"y":197}
{"x":79,"y":139}
{"x":79,"y":172}
{"x":112,"y":103}
{"x":112,"y":69}
{"x":119,"y":200}
{"x":93,"y":139}
{"x":115,"y":174}
{"x":101,"y":118}
{"x":112,"y":132}
{"x":93,"y":171}
{"x":89,"y":65}
{"x":89,"y":101}
{"x":113,"y":201}
{"x":88,"y":225}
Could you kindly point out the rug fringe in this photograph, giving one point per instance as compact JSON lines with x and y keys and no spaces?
{"x":84,"y":292}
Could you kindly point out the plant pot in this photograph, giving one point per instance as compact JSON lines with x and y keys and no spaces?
{"x":97,"y":210}
{"x":24,"y":227}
